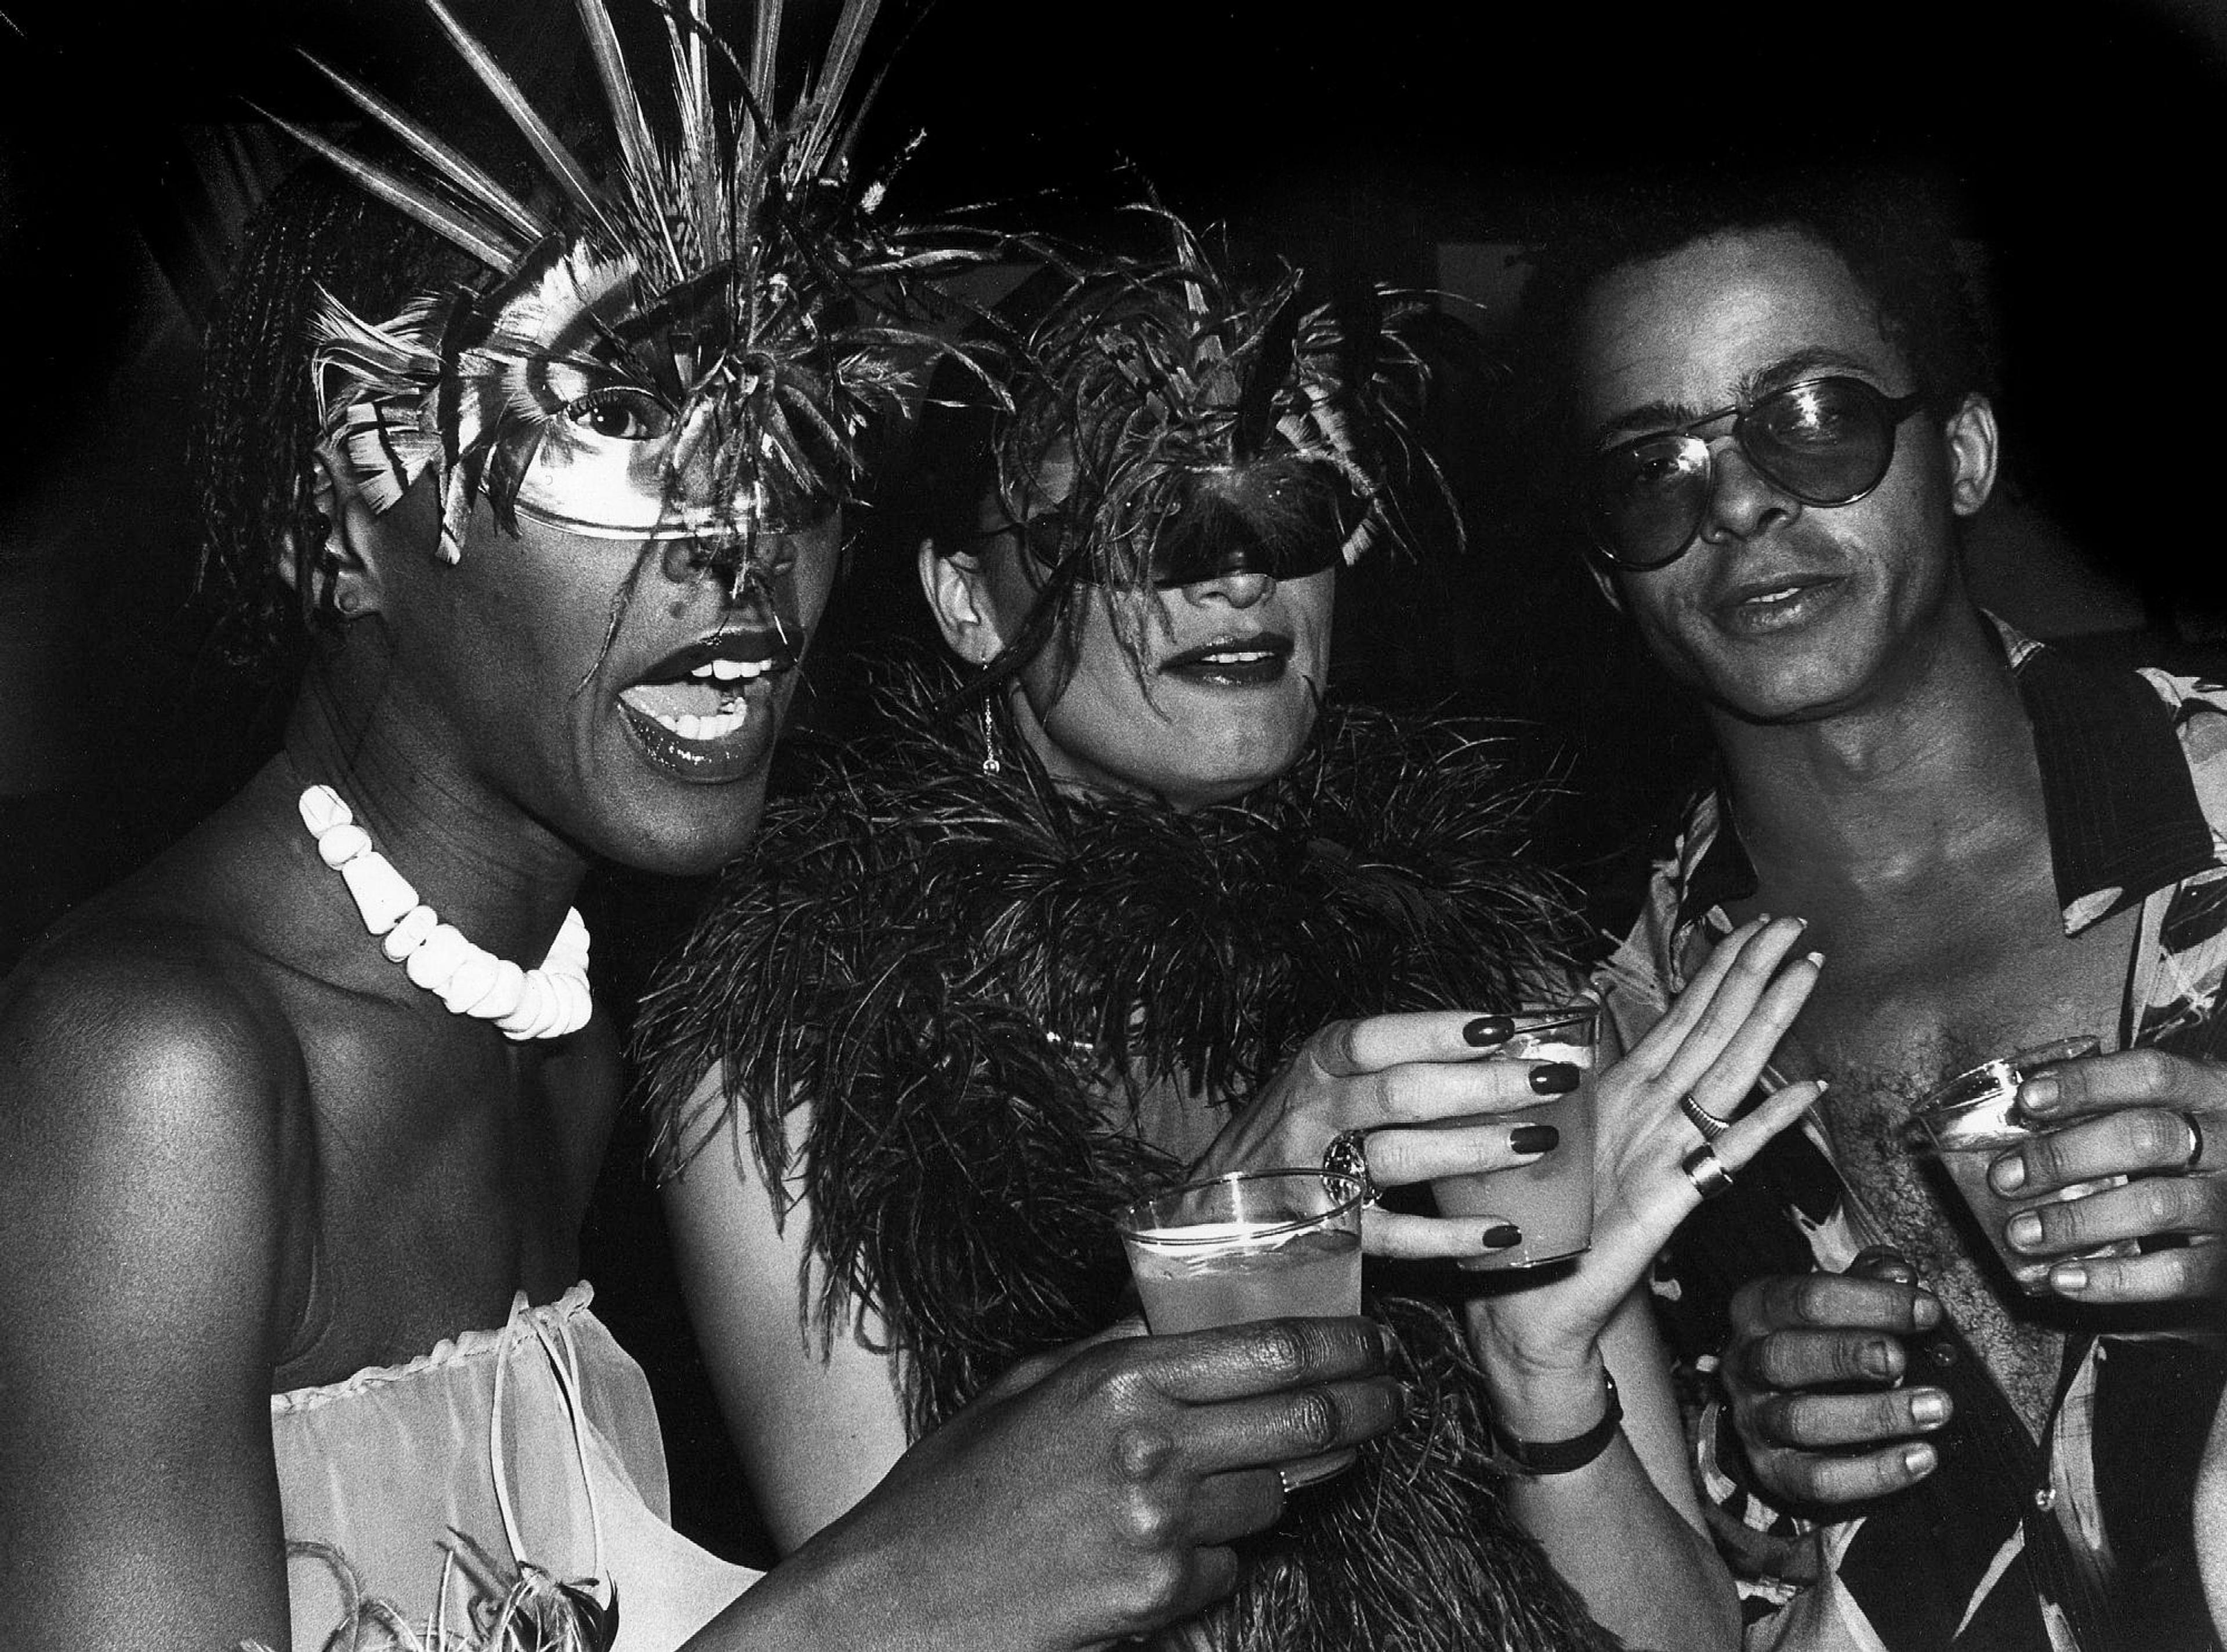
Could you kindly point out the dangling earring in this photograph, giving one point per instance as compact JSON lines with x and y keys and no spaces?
{"x":992,"y":760}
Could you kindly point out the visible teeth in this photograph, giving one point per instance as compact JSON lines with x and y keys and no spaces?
{"x":727,"y":670}
{"x":1779,"y":596}
{"x":1243,"y":656}
{"x":716,"y":727}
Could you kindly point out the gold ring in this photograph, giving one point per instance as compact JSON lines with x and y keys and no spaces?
{"x":1707,"y":1171}
{"x":1702,"y":1119}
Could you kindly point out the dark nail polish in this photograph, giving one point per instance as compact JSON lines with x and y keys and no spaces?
{"x":1488,"y":1029}
{"x":1533,"y":1138}
{"x":1501,"y":1236}
{"x":1555,"y":1078}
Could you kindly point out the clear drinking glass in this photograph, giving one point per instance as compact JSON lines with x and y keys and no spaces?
{"x":1258,"y":1244}
{"x":1972,"y":1121}
{"x":1550,"y":1199}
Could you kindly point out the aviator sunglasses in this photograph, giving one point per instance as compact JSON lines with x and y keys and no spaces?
{"x":1294,"y":526}
{"x":1823,"y":442}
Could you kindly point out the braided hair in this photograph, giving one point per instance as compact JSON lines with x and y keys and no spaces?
{"x":255,"y":429}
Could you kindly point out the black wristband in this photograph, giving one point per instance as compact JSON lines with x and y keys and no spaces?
{"x":1536,"y":1457}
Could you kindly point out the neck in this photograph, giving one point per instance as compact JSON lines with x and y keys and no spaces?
{"x":1941,"y":759}
{"x":474,"y":856}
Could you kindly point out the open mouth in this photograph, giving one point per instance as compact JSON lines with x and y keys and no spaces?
{"x":1233,"y":661}
{"x":1768,"y":605}
{"x":693,"y":708}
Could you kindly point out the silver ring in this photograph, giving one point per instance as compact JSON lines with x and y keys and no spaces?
{"x":1707,"y":1171}
{"x":1347,"y":1154}
{"x":1701,"y":1118}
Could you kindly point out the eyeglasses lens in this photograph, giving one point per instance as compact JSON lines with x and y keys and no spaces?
{"x":1826,"y":442}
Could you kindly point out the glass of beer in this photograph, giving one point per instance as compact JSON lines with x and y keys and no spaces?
{"x":1257,"y":1245}
{"x":1550,"y":1199}
{"x":1973,"y":1120}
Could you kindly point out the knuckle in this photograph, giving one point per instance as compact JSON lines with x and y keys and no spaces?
{"x":2160,"y":1138}
{"x":2150,"y":1069}
{"x":1282,"y":1349}
{"x":2157,"y":1202}
{"x":1142,"y":1451}
{"x":1151,"y":1588}
{"x":1148,"y":1522}
{"x":1315,"y":1419}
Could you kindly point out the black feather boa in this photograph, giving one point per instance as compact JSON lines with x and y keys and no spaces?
{"x":963,"y":972}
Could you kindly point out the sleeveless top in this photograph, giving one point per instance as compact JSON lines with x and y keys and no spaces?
{"x":503,"y":1463}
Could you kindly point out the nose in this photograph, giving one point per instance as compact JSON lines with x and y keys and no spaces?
{"x":1240,"y":590}
{"x":718,"y":560}
{"x":1743,"y":501}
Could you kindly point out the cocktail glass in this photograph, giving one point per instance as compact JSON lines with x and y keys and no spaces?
{"x":1972,"y":1121}
{"x":1255,"y":1245}
{"x":1550,"y":1199}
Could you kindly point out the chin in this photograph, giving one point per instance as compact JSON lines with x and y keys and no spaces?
{"x":702,"y":833}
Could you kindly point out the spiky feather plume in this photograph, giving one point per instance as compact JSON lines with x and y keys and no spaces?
{"x":1192,"y":404}
{"x":725,"y":300}
{"x":959,"y":987}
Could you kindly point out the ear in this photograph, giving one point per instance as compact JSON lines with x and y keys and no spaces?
{"x":346,"y":567}
{"x":960,"y":599}
{"x":1973,"y":446}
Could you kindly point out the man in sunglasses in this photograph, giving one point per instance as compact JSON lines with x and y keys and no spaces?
{"x":1777,"y":424}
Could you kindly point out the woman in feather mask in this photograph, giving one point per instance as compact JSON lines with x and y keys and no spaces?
{"x":549,"y":485}
{"x":1141,"y":908}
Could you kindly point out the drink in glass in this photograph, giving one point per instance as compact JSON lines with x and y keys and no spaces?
{"x":1267,"y":1245}
{"x":1550,"y":1199}
{"x":1973,"y":1120}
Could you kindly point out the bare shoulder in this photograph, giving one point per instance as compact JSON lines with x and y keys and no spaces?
{"x":144,"y":1077}
{"x":145,"y":1090}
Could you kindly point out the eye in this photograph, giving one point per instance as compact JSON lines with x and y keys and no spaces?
{"x":622,"y":413}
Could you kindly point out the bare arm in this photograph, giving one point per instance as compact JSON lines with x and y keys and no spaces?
{"x":138,"y":1228}
{"x":1625,"y":1528}
{"x":816,"y":1431}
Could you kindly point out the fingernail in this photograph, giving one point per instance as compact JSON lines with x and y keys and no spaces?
{"x":1928,"y":1407}
{"x":2038,"y":1095}
{"x":1763,"y":917}
{"x":2025,"y":1230}
{"x":1925,"y":1311}
{"x":1802,"y":923}
{"x":1501,"y":1236}
{"x":1919,"y":1459}
{"x":2008,"y":1173}
{"x":1876,"y":1359}
{"x":1488,"y":1031}
{"x":1555,"y":1078}
{"x":1533,"y":1138}
{"x":1817,"y":958}
{"x":2068,"y":1278}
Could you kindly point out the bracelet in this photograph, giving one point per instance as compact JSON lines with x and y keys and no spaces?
{"x":1536,"y":1458}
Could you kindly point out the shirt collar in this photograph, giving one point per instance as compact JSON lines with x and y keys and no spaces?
{"x":2122,"y":814}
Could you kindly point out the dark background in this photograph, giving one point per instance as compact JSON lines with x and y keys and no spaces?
{"x":2081,"y":155}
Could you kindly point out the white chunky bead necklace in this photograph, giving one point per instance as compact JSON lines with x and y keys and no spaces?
{"x":544,"y":1003}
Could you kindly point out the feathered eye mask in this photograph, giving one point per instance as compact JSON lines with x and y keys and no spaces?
{"x":1201,"y":428}
{"x":689,"y":350}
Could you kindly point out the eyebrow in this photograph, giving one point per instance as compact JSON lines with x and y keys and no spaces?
{"x":1651,"y":417}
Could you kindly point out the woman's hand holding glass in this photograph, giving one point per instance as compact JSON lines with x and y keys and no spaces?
{"x":1421,"y":1092}
{"x":1711,"y":1046}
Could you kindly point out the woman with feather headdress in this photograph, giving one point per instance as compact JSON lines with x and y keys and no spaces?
{"x":301,"y":1120}
{"x":1146,"y":908}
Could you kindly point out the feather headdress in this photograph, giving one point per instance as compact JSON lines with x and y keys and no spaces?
{"x":687,"y":348}
{"x":1207,"y":425}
